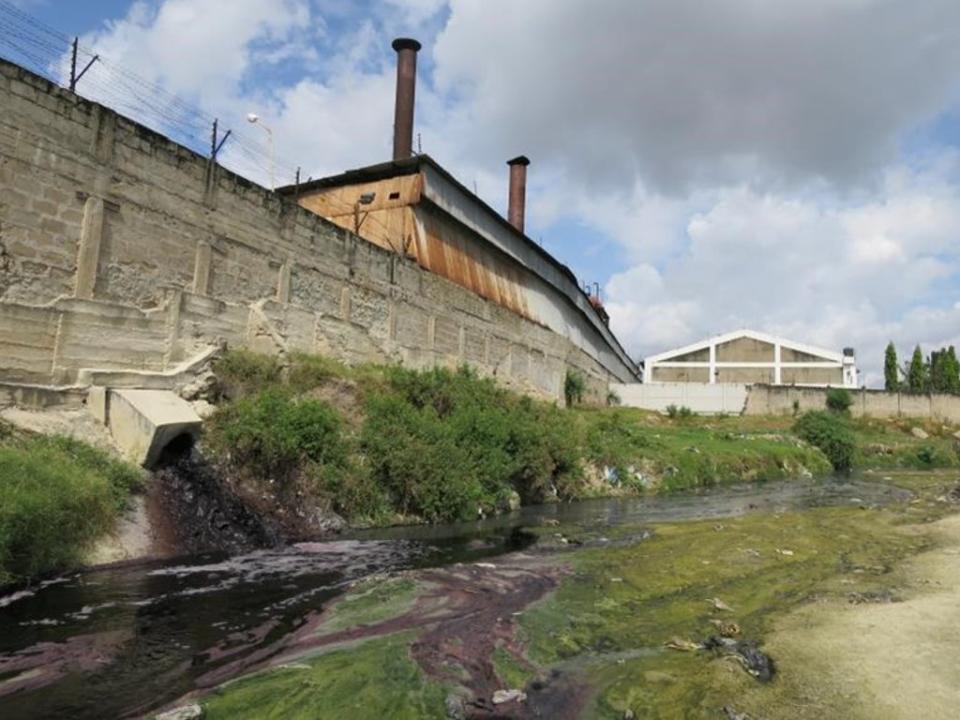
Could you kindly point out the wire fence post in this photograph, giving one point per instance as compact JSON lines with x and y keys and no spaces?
{"x":74,"y":75}
{"x":214,"y":145}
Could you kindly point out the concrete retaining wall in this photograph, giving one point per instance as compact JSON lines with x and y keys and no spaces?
{"x":701,"y":398}
{"x":120,"y":249}
{"x":779,"y":400}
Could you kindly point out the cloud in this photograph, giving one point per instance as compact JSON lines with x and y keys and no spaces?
{"x":683,"y":94}
{"x":858,"y":274}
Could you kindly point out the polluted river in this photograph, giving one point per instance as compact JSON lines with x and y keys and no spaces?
{"x":571,"y":606}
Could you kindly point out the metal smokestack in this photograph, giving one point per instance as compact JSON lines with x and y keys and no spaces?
{"x":518,"y":191}
{"x":407,"y":49}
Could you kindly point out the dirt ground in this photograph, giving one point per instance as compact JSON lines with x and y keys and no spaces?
{"x":876,"y":660}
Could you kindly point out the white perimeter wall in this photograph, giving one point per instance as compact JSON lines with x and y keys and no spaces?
{"x":702,"y":398}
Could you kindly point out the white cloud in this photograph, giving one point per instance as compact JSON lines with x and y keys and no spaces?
{"x":837,"y":275}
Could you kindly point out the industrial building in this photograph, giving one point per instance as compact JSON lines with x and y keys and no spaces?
{"x":750,"y":357}
{"x":413,"y":207}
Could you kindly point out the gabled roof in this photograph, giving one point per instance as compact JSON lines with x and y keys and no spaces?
{"x":752,"y":334}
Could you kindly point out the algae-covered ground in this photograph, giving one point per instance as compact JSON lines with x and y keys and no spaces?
{"x":612,"y":628}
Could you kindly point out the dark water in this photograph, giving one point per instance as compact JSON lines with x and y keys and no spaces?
{"x":119,"y":642}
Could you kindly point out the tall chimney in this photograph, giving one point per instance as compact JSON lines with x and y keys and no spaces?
{"x":406,"y":87}
{"x":518,"y":191}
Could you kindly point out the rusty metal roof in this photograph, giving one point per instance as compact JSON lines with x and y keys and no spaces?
{"x":415,"y":164}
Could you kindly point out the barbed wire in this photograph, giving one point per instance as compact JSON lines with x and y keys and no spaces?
{"x":27,"y":41}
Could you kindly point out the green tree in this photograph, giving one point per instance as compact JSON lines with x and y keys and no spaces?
{"x":917,"y":373}
{"x":891,"y":371}
{"x":952,"y":371}
{"x":937,"y":376}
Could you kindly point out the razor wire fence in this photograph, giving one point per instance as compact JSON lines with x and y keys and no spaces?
{"x":63,"y":60}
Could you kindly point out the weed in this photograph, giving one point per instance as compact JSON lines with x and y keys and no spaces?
{"x":831,"y":433}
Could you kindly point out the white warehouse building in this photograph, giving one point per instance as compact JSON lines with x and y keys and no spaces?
{"x":751,"y":357}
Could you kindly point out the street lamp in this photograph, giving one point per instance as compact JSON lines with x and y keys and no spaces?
{"x":254,"y":119}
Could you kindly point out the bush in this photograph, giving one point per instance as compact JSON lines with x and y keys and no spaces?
{"x":447,"y":444}
{"x":57,"y":496}
{"x":831,"y":434}
{"x":839,"y":400}
{"x":272,"y":435}
{"x":685,"y":413}
{"x":672,"y":411}
{"x":573,"y":388}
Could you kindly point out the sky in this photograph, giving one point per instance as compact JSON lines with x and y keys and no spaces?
{"x":788,"y":166}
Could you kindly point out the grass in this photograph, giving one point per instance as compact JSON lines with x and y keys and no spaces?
{"x":646,"y":450}
{"x":57,"y":496}
{"x":374,"y":679}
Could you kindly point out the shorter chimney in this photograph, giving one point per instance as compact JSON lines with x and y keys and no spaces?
{"x":407,"y":49}
{"x":518,"y":191}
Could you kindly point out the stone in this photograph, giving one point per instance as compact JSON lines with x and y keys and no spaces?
{"x":919,"y":433}
{"x":455,"y":707}
{"x":144,"y":422}
{"x":186,"y":712}
{"x":505,"y":696}
{"x":203,"y":408}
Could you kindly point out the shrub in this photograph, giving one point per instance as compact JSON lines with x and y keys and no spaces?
{"x":272,"y":434}
{"x":796,"y":408}
{"x":57,"y":496}
{"x":839,"y":400}
{"x":831,"y":434}
{"x":445,"y":444}
{"x":684,"y":413}
{"x":613,"y":400}
{"x":573,"y":388}
{"x":672,"y":411}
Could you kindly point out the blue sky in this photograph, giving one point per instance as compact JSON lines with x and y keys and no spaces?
{"x":791,"y":167}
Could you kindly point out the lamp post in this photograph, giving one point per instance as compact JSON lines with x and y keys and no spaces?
{"x":254,"y":119}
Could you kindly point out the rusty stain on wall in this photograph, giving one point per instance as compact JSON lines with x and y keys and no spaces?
{"x":393,"y":217}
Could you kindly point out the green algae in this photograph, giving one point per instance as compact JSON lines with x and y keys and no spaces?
{"x":610,"y":620}
{"x":373,"y":679}
{"x":511,"y":672}
{"x":372,"y":601}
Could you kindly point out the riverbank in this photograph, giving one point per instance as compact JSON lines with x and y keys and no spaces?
{"x":303,"y":448}
{"x":382,"y":445}
{"x":650,"y":621}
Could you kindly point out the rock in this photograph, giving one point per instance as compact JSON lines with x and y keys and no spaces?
{"x":505,"y":696}
{"x":203,"y":408}
{"x":509,"y":502}
{"x":719,"y":604}
{"x":956,"y":435}
{"x":200,"y":388}
{"x":455,"y":707}
{"x":324,"y":522}
{"x":187,"y":712}
{"x":919,"y":433}
{"x":628,"y":714}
